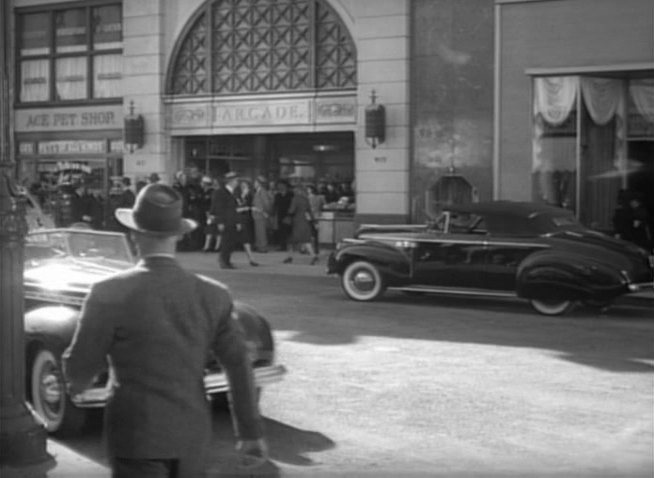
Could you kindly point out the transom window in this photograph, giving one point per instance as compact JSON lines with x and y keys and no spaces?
{"x":245,"y":46}
{"x":70,"y":54}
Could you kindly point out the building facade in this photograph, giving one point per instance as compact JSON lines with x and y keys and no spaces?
{"x":280,"y":89}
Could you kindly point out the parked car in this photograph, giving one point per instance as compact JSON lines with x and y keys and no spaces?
{"x":495,"y":249}
{"x":60,"y":267}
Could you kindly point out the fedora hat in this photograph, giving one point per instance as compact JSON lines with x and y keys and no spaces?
{"x":157,"y":211}
{"x":230,"y":175}
{"x":262,"y":179}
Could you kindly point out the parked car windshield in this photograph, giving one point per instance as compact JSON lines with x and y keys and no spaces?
{"x":84,"y":245}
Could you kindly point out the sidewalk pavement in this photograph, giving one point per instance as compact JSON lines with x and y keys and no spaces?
{"x":72,"y":464}
{"x":269,"y":263}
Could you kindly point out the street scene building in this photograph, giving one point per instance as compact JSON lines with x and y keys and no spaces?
{"x":280,"y":89}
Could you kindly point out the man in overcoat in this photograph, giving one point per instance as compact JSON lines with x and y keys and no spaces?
{"x":157,"y":324}
{"x":224,"y":214}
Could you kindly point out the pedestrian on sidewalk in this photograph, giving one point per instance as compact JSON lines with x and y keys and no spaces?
{"x":224,"y":214}
{"x":262,"y":212}
{"x":244,"y":209}
{"x":157,"y":323}
{"x":301,"y":220}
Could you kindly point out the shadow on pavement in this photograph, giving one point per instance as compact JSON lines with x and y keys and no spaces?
{"x":288,"y":445}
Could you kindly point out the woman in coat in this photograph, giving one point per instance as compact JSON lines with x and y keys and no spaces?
{"x":244,"y":209}
{"x":300,"y":218}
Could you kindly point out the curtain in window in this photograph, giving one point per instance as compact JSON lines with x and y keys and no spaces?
{"x":71,"y":78}
{"x":554,"y":157}
{"x":107,"y":76}
{"x":603,"y":97}
{"x":642,"y":92}
{"x":555,"y":97}
{"x":35,"y":81}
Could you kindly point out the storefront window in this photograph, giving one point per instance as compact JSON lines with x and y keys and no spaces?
{"x":107,"y":28}
{"x":35,"y":80}
{"x":590,"y":144}
{"x":84,"y":66}
{"x":107,"y":76}
{"x":71,"y":78}
{"x":70,"y":33}
{"x":34,"y":33}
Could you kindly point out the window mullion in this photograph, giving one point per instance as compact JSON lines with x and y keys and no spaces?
{"x":313,"y":50}
{"x":89,"y":56}
{"x":209,"y":33}
{"x":52,"y":57}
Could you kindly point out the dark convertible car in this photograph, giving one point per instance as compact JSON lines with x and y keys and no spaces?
{"x":60,"y":267}
{"x":496,"y":249}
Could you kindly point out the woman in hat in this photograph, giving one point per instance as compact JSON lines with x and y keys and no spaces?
{"x":262,"y":205}
{"x":244,"y":208}
{"x":301,"y":219}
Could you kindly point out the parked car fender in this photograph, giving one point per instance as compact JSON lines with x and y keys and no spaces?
{"x":52,"y":325}
{"x":391,"y":262}
{"x":550,"y":274}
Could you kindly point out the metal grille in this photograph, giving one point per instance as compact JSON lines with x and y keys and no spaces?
{"x":265,"y":46}
{"x":191,"y":63}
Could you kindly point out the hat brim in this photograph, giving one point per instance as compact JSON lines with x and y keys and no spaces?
{"x":125,"y":216}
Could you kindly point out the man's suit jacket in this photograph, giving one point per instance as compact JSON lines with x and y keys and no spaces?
{"x":157,"y":323}
{"x":223,"y":207}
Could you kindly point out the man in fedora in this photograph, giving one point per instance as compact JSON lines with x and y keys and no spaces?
{"x":223,"y":211}
{"x":157,"y":323}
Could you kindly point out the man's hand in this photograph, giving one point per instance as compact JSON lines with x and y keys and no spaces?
{"x":221,"y":227}
{"x":252,"y":453}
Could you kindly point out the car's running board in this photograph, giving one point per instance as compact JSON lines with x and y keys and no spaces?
{"x":453,"y":291}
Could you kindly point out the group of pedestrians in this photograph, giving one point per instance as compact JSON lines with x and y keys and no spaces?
{"x":254,"y":218}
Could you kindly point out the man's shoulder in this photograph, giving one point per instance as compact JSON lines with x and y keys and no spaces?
{"x":115,"y":286}
{"x":212,"y":285}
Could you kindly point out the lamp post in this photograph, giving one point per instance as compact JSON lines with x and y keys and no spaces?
{"x":22,"y":439}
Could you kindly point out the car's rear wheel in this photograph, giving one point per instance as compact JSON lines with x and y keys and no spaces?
{"x":362,"y":281}
{"x":551,"y":306}
{"x":49,"y":398}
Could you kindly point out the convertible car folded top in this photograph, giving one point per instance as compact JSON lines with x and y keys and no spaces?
{"x":61,"y":265}
{"x":495,"y":249}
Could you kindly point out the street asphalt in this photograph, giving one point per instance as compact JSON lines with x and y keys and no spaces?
{"x":71,"y":464}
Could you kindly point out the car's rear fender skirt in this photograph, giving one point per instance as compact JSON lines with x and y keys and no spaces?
{"x":569,"y":281}
{"x":393,"y":264}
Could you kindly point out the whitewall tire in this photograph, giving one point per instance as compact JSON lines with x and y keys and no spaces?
{"x":551,"y":306}
{"x":49,"y":398}
{"x":362,"y":281}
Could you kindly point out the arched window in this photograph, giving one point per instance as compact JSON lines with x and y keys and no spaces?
{"x":248,"y":47}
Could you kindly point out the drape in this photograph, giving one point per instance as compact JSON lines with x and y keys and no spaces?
{"x":555,"y":97}
{"x":603,"y":98}
{"x":35,"y":81}
{"x":642,"y":92}
{"x":107,"y":76}
{"x":71,"y":78}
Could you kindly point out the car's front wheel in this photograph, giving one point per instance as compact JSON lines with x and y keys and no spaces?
{"x":362,"y":281}
{"x":551,"y":306}
{"x":49,"y":397}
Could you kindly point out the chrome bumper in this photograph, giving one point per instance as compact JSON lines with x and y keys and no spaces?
{"x":213,"y":383}
{"x":641,"y":287}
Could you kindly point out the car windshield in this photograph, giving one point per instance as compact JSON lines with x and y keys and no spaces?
{"x":83,"y":245}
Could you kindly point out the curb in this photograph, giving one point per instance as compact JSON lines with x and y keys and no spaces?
{"x":71,"y":464}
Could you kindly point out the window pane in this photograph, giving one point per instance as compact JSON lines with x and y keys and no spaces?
{"x":71,"y":30}
{"x":34,"y":81}
{"x":107,"y":27}
{"x":107,"y":76}
{"x":34,"y":34}
{"x":71,"y":78}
